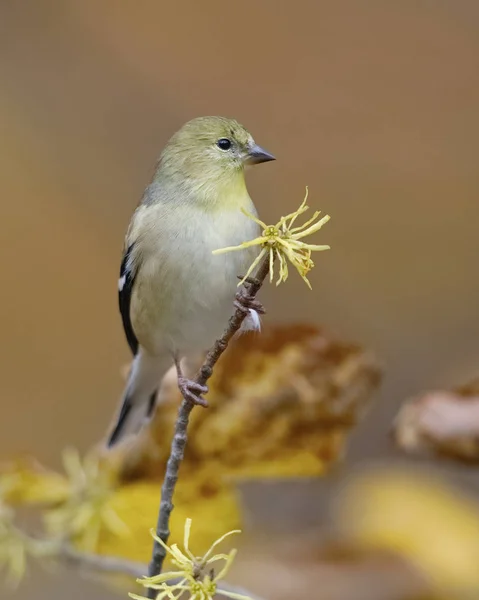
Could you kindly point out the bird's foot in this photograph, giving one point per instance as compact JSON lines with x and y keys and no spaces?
{"x":245,"y":303}
{"x":191,"y":390}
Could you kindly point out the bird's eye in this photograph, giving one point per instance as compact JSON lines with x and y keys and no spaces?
{"x":224,"y":144}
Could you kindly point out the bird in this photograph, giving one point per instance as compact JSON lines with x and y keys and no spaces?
{"x":175,"y":296}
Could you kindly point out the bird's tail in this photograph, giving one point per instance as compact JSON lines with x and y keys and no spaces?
{"x":139,"y":398}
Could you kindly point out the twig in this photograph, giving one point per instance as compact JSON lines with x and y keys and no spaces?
{"x":180,"y":434}
{"x":106,"y":564}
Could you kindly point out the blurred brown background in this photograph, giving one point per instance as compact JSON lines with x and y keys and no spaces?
{"x":373,"y":104}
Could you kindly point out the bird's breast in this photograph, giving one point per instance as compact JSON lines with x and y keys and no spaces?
{"x":183,"y":293}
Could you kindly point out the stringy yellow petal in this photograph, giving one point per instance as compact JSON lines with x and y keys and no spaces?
{"x":227,"y":566}
{"x":253,"y":266}
{"x":302,"y":208}
{"x":305,"y":225}
{"x":157,"y":580}
{"x":253,"y":218}
{"x":255,"y":242}
{"x":219,"y":540}
{"x":313,"y":228}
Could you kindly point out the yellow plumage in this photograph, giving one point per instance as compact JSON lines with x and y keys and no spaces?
{"x":175,"y":295}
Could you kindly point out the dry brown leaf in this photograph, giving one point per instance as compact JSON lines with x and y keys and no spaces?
{"x":280,"y":403}
{"x":444,"y":423}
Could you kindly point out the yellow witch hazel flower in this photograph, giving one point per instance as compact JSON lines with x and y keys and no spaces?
{"x":88,"y":509}
{"x":195,"y":575}
{"x":283,"y":242}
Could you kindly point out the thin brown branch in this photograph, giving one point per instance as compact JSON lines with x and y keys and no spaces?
{"x":97,"y":562}
{"x":180,"y":434}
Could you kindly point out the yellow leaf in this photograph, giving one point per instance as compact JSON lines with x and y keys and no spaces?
{"x":214,"y":510}
{"x":419,"y":518}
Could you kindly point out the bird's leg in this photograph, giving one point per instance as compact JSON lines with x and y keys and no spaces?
{"x":190,"y":390}
{"x":245,"y":302}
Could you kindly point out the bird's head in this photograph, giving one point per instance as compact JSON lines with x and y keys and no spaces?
{"x":210,"y":148}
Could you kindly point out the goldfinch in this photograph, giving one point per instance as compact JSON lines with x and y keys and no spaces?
{"x":175,"y":296}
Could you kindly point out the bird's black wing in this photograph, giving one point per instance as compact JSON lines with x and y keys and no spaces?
{"x":125,"y":290}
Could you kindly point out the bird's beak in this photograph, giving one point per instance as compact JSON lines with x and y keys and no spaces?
{"x":257,"y":155}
